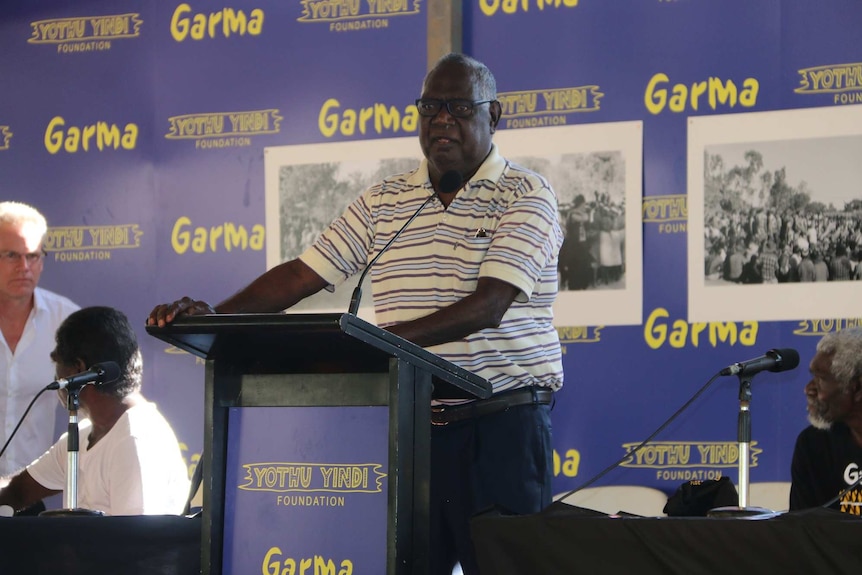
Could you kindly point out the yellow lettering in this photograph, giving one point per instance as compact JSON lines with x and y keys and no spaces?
{"x":54,"y":139}
{"x":722,"y":332}
{"x":696,"y":328}
{"x":748,"y":95}
{"x":199,"y":26}
{"x":227,"y":22}
{"x":73,"y":137}
{"x":383,"y":118}
{"x":180,"y":238}
{"x":258,"y":236}
{"x":100,"y":134}
{"x":678,"y":334}
{"x":86,"y":135}
{"x":213,"y":20}
{"x":677,"y":100}
{"x":199,"y":242}
{"x":721,"y":93}
{"x":656,"y":331}
{"x":386,"y":118}
{"x":270,"y":566}
{"x":326,"y":122}
{"x":490,"y":7}
{"x":655,"y":98}
{"x":130,"y":137}
{"x":179,"y":23}
{"x":569,"y":467}
{"x":255,"y":24}
{"x":696,"y":90}
{"x":233,"y":236}
{"x":348,"y":123}
{"x":364,"y":115}
{"x":717,"y":91}
{"x":215,"y":234}
{"x":108,"y":136}
{"x":655,"y":335}
{"x":748,"y":335}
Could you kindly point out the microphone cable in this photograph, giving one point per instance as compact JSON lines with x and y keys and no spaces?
{"x":641,"y":445}
{"x":197,"y":479}
{"x":353,"y":308}
{"x":20,"y":421}
{"x":842,"y":493}
{"x":449,"y":182}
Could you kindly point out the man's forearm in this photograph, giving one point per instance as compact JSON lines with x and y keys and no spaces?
{"x":276,"y":290}
{"x":21,"y":491}
{"x":482,"y":309}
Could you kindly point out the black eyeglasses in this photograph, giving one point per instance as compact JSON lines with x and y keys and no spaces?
{"x":457,"y":108}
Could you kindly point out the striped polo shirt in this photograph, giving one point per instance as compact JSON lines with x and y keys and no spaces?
{"x":502,"y":224}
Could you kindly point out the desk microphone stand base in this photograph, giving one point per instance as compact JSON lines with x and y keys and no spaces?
{"x":77,"y":512}
{"x":741,"y":512}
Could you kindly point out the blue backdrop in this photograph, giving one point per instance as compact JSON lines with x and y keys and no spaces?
{"x":139,"y":129}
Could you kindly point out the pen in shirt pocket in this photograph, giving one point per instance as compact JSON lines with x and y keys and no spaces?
{"x":482,"y":233}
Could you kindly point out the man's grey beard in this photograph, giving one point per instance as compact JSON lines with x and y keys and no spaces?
{"x":818,"y":421}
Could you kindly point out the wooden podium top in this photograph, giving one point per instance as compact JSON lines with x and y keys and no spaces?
{"x":311,"y":343}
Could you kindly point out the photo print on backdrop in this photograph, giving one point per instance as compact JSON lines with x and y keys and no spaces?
{"x":595,"y":170}
{"x":775,"y":215}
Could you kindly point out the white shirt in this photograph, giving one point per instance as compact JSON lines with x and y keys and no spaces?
{"x":22,"y":375}
{"x":134,"y":469}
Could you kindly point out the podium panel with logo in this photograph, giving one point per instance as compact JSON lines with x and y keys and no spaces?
{"x":316,"y":442}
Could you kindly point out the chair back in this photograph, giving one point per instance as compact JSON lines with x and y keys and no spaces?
{"x":774,"y":495}
{"x":612,"y":499}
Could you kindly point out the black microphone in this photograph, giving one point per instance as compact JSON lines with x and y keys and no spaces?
{"x":449,"y":182}
{"x":103,"y":373}
{"x":773,"y":360}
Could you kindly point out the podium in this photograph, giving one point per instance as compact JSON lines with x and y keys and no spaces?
{"x":321,"y":360}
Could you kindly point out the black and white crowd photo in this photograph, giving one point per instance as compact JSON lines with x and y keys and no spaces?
{"x":772,"y":216}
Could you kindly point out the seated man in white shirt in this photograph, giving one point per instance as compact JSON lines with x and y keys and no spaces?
{"x":129,"y":460}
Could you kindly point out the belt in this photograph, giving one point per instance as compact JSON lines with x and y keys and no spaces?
{"x":446,"y":414}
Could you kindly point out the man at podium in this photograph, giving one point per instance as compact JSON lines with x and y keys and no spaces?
{"x":463,"y":258}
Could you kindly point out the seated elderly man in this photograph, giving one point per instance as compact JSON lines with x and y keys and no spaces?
{"x":827,"y":458}
{"x":129,"y":459}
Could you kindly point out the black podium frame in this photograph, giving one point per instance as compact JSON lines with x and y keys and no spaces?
{"x":289,"y":360}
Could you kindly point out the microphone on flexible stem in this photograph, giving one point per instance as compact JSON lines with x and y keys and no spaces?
{"x":103,"y":373}
{"x":99,"y":374}
{"x":773,"y":360}
{"x":450,"y":182}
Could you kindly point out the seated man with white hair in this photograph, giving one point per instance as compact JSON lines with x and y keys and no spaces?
{"x":828,"y":455}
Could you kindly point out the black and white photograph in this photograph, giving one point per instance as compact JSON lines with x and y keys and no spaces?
{"x":594,"y":169}
{"x":307,"y":187}
{"x":596,"y":172}
{"x":781,"y":218}
{"x":590,"y":188}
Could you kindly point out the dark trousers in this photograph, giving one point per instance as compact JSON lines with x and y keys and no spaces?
{"x":502,"y":461}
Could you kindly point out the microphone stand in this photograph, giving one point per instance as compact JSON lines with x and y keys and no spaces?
{"x":743,"y":434}
{"x":70,"y":494}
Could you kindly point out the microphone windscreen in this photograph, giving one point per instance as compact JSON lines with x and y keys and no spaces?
{"x":110,"y":372}
{"x":789,"y":359}
{"x":450,"y":181}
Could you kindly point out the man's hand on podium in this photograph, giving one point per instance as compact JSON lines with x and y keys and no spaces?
{"x":165,"y":313}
